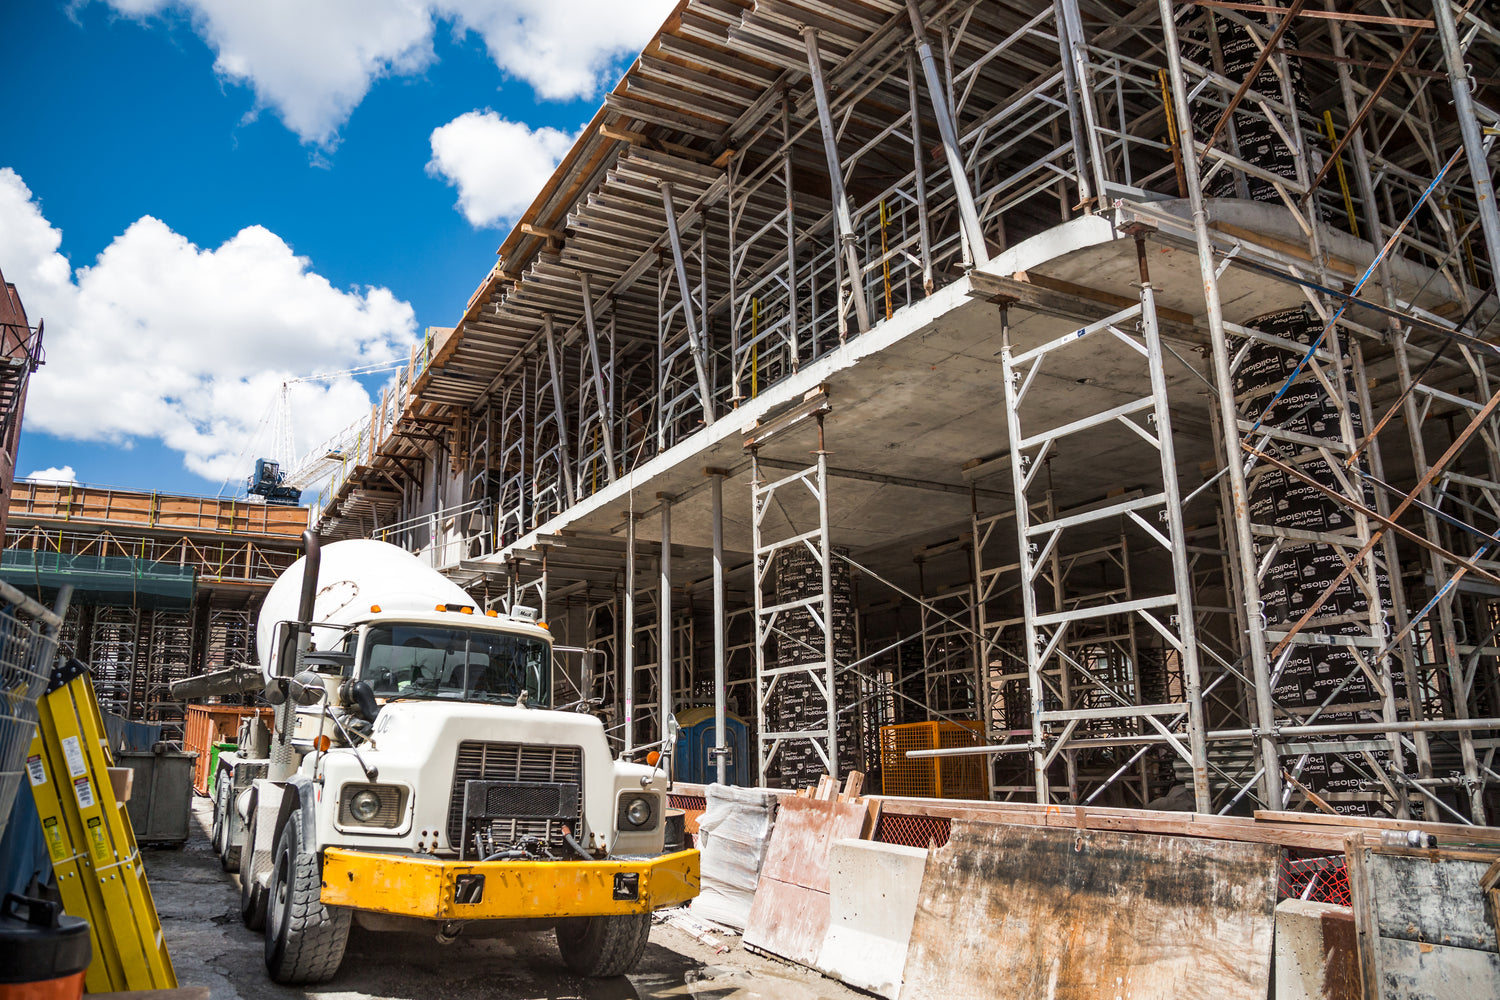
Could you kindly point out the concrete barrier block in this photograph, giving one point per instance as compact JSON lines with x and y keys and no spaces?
{"x":1316,"y":957}
{"x":873,"y":901}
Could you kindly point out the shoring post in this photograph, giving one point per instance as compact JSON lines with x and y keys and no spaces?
{"x":1228,"y":417}
{"x":836,"y":187}
{"x":664,"y":620}
{"x":721,"y":747}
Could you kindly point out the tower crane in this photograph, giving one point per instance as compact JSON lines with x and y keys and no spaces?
{"x":282,"y":478}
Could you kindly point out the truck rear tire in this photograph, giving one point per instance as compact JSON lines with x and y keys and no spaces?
{"x":603,"y":946}
{"x":304,"y":939}
{"x":252,"y":897}
{"x":217,"y":836}
{"x":226,"y":843}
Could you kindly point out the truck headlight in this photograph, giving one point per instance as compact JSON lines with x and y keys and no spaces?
{"x":365,"y":805}
{"x":637,"y":812}
{"x":372,"y":805}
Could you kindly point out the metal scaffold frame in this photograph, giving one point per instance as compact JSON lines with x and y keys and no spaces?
{"x":774,"y":181}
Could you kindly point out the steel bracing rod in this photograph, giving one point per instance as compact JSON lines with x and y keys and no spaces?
{"x":1228,"y":418}
{"x":847,"y":236}
{"x":1468,"y":124}
{"x":976,"y":253}
{"x":559,"y":409}
{"x":606,"y":425}
{"x":685,"y":290}
{"x":1268,"y":50}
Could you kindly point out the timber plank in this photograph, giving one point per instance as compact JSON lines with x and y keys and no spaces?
{"x":1443,"y":831}
{"x":1016,"y":912}
{"x":1328,"y":839}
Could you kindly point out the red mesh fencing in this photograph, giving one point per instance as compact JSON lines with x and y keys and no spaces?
{"x":687,"y":802}
{"x":1321,"y":880}
{"x":912,"y":831}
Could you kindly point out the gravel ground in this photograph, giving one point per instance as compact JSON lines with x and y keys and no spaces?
{"x":199,"y":908}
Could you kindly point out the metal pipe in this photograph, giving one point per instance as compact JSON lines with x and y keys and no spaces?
{"x":1353,"y":728}
{"x":978,"y":253}
{"x":1228,"y":417}
{"x":721,"y":744}
{"x":627,"y":658}
{"x":664,"y":623}
{"x":684,"y":289}
{"x":1468,"y":125}
{"x":1182,"y":575}
{"x":836,"y":185}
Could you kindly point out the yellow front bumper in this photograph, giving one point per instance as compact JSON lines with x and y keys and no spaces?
{"x":418,"y":887}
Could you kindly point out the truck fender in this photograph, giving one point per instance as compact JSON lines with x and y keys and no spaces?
{"x":300,"y":793}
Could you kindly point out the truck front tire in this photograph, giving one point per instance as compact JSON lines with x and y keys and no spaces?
{"x":603,"y":946}
{"x":304,"y":939}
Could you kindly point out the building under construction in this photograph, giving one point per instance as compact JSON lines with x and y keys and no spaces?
{"x":1108,"y":381}
{"x":164,"y":586}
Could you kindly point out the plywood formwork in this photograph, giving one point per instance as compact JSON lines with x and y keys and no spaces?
{"x":854,"y":208}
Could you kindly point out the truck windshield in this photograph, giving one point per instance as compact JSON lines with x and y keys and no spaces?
{"x":421,"y":661}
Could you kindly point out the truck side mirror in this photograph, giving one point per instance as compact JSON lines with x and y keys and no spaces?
{"x":586,"y":673}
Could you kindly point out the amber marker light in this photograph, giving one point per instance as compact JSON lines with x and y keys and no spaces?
{"x":322,"y":743}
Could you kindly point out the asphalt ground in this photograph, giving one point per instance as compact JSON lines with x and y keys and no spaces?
{"x":199,"y":908}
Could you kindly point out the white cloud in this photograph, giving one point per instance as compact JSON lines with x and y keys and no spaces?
{"x":563,"y":48}
{"x":314,"y":62}
{"x":162,"y":339}
{"x":53,"y":474}
{"x":497,"y":165}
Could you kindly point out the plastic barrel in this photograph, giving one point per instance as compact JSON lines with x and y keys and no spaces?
{"x":43,"y":954}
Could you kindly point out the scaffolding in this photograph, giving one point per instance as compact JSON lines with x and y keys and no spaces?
{"x":783,"y":198}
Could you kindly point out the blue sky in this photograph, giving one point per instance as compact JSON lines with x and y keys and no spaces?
{"x":203,"y":198}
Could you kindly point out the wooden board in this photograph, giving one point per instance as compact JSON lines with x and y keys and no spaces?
{"x":1021,"y":912}
{"x":1307,"y":836}
{"x":1456,"y":832}
{"x":790,"y":914}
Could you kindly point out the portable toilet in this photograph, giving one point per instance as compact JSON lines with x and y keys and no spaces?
{"x":695,"y":738}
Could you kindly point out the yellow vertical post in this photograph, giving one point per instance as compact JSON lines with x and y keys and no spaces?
{"x":1338,"y":166}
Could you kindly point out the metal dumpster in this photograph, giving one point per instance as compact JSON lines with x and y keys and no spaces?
{"x":161,"y":803}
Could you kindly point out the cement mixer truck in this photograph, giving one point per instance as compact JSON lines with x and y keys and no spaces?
{"x":418,"y":777}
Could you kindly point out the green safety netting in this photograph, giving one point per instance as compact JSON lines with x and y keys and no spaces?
{"x":99,"y":580}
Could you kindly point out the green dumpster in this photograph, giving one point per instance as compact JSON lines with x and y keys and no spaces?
{"x":213,"y":762}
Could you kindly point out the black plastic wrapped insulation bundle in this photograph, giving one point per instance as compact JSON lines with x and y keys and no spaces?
{"x":1300,"y":572}
{"x":1256,"y":140}
{"x":797,"y":705}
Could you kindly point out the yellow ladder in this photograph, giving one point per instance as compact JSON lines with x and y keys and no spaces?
{"x":90,"y":840}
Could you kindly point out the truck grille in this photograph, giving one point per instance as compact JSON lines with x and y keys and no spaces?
{"x":514,"y":762}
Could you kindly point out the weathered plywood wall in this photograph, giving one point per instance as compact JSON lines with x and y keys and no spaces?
{"x":1027,"y":912}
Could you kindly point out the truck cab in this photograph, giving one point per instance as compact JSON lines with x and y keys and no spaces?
{"x":419,"y":777}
